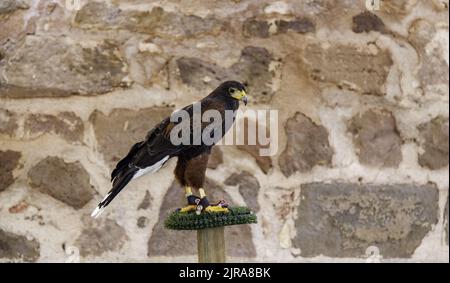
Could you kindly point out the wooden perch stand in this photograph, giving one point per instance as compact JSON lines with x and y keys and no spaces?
{"x":211,"y":245}
{"x":210,"y":229}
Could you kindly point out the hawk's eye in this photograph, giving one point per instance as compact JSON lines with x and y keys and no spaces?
{"x":232,"y":90}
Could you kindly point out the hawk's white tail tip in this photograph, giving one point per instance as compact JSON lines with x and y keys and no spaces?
{"x":97,"y":212}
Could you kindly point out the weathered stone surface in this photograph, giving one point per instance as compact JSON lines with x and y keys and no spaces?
{"x":433,"y":71}
{"x":146,"y":202}
{"x":146,"y":67}
{"x":376,"y":138}
{"x":155,"y":22}
{"x":434,"y":141}
{"x":117,"y":132}
{"x":360,"y":69}
{"x":100,"y":236}
{"x":248,"y":188}
{"x":66,"y":124}
{"x":200,"y":74}
{"x":307,"y":146}
{"x":165,"y":242}
{"x":252,"y":69}
{"x":50,"y":66}
{"x":263,"y":28}
{"x":264,"y":162}
{"x":397,"y":8}
{"x":366,"y":22}
{"x":142,"y":222}
{"x":215,"y":158}
{"x":8,"y":162}
{"x":343,"y":220}
{"x":8,"y":122}
{"x":253,"y":27}
{"x":66,"y":182}
{"x":298,"y":25}
{"x":17,"y":247}
{"x":8,"y":6}
{"x":446,"y":222}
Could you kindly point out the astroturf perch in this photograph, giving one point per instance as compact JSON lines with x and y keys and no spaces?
{"x":152,"y":153}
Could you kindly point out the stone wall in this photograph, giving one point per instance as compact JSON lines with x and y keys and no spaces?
{"x":363,"y":103}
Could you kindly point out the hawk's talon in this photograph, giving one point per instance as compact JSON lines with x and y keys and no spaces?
{"x":215,"y":209}
{"x":204,"y":205}
{"x":187,"y":208}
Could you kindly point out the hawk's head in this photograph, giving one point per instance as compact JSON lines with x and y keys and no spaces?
{"x":234,"y":89}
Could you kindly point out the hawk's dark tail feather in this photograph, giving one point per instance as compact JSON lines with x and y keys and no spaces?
{"x":121,"y":180}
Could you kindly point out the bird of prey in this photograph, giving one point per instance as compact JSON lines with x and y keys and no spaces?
{"x":152,"y":153}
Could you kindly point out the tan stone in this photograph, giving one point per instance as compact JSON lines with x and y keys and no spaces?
{"x":65,"y":124}
{"x":156,"y":22}
{"x":50,"y":66}
{"x":349,"y":67}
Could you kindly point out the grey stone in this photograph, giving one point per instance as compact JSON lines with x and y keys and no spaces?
{"x":258,"y":27}
{"x":142,"y":222}
{"x":117,"y":132}
{"x":253,"y":27}
{"x":146,"y":202}
{"x":16,"y":247}
{"x":8,"y":6}
{"x":66,"y":182}
{"x":47,"y":66}
{"x":298,"y":25}
{"x":200,"y":74}
{"x":165,"y":242}
{"x":8,"y":122}
{"x":307,"y":146}
{"x":252,"y":69}
{"x":66,"y":124}
{"x":435,"y":142}
{"x":9,"y":160}
{"x":248,"y":188}
{"x":366,"y":22}
{"x":347,"y":66}
{"x":343,"y":220}
{"x":376,"y":138}
{"x":99,"y":236}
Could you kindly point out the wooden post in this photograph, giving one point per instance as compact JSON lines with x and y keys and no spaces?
{"x":211,"y":245}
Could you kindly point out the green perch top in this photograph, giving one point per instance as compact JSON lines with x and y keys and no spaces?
{"x":191,"y":221}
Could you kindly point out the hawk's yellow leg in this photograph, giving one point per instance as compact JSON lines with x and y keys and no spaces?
{"x":189,"y":207}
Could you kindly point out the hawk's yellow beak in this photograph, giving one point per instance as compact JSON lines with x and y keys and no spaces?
{"x":240,"y":95}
